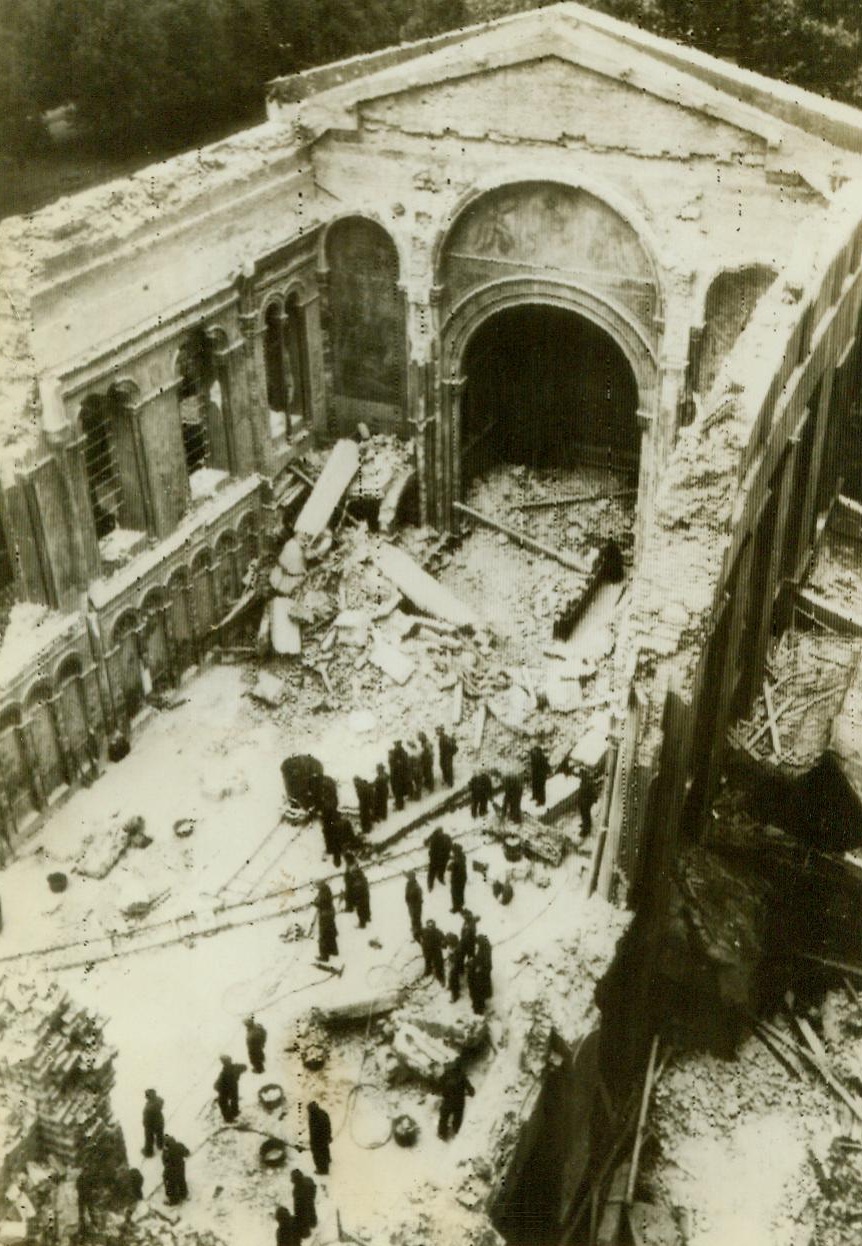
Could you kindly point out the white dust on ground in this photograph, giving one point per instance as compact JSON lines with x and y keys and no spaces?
{"x":172,"y":1012}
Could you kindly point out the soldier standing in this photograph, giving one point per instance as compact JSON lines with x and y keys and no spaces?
{"x":320,"y":1137}
{"x":426,"y":753}
{"x":468,"y":935}
{"x":413,"y":896}
{"x":327,"y":934}
{"x":365,"y":796}
{"x":455,"y":967}
{"x":513,"y":790}
{"x":174,"y":1156}
{"x":287,"y":1233}
{"x":398,"y":768}
{"x":454,"y":1088}
{"x":477,"y":985}
{"x":439,"y":846}
{"x":457,"y":877}
{"x":432,"y":950}
{"x":587,"y":793}
{"x":448,"y":748}
{"x":255,"y":1042}
{"x":381,"y":793}
{"x":481,"y":789}
{"x":540,"y":768}
{"x":226,"y":1087}
{"x":154,"y":1122}
{"x":482,"y":956}
{"x":350,"y":869}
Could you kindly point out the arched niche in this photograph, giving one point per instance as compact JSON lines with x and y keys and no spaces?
{"x":554,"y":231}
{"x":730,"y":301}
{"x":365,"y":325}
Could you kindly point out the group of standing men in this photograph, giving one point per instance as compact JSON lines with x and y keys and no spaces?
{"x":482,"y":787}
{"x":294,"y":1226}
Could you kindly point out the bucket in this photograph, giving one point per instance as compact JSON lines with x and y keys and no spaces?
{"x":270,"y":1096}
{"x":273,"y":1153}
{"x":58,"y":882}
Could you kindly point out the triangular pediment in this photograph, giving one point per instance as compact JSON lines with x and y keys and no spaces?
{"x":550,"y":98}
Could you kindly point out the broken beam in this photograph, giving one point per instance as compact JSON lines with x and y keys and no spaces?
{"x":572,"y":499}
{"x":770,"y":715}
{"x":520,"y":538}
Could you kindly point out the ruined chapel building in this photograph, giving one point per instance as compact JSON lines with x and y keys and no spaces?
{"x":554,"y":238}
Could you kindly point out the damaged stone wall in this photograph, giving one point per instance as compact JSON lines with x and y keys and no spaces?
{"x":699,"y":626}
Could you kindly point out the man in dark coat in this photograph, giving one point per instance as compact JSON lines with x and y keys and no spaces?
{"x":482,"y":957}
{"x":540,"y":768}
{"x":426,"y":754}
{"x":381,"y":794}
{"x":399,"y":766}
{"x":454,"y":1088}
{"x":255,"y":1043}
{"x":226,"y":1086}
{"x":154,"y":1122}
{"x":481,"y":790}
{"x":320,"y":1137}
{"x":448,"y":748}
{"x":343,"y":839}
{"x":432,"y":950}
{"x":513,"y":790}
{"x":457,"y":877}
{"x":587,"y":793}
{"x":455,"y":967}
{"x":413,"y":896}
{"x":467,"y":939}
{"x":362,"y":892}
{"x":304,"y":1211}
{"x":327,"y":934}
{"x":327,"y":795}
{"x":287,"y":1233}
{"x":477,"y":985}
{"x":350,"y":869}
{"x":439,"y":846}
{"x":365,"y":796}
{"x":324,"y":898}
{"x":174,"y":1156}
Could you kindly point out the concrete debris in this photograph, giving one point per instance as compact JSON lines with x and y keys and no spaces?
{"x":422,"y":589}
{"x":332,"y":484}
{"x":391,"y":660}
{"x":269,"y":689}
{"x":285,"y":635}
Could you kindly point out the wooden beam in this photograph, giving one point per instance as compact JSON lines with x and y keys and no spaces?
{"x":770,"y":717}
{"x":521,"y":538}
{"x":639,"y":1132}
{"x":574,"y":498}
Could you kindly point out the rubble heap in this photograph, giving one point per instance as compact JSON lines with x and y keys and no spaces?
{"x":56,"y":1076}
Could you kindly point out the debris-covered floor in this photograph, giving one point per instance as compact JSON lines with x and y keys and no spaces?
{"x":178,"y":940}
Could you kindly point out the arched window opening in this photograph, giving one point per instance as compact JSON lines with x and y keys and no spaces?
{"x":276,"y":380}
{"x":296,"y":352}
{"x":104,"y":486}
{"x":198,"y":388}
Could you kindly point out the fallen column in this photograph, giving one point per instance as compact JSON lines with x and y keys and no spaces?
{"x":520,"y":538}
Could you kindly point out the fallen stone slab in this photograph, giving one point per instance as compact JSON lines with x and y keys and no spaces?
{"x":391,"y":660}
{"x":561,"y":797}
{"x":269,"y":689}
{"x":284,"y":633}
{"x":422,"y":589}
{"x":418,"y":1053}
{"x":331,"y":486}
{"x":359,"y":1010}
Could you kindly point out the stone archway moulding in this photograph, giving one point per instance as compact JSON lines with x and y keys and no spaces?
{"x":486,"y":301}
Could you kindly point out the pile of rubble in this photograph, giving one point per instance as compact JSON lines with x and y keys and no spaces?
{"x":789,"y":723}
{"x":57,"y":1074}
{"x":768,"y":1147}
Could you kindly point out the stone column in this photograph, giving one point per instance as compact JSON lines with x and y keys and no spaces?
{"x":325,"y":313}
{"x":132,"y":413}
{"x":77,"y":515}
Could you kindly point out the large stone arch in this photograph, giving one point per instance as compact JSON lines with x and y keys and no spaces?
{"x":548,"y":244}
